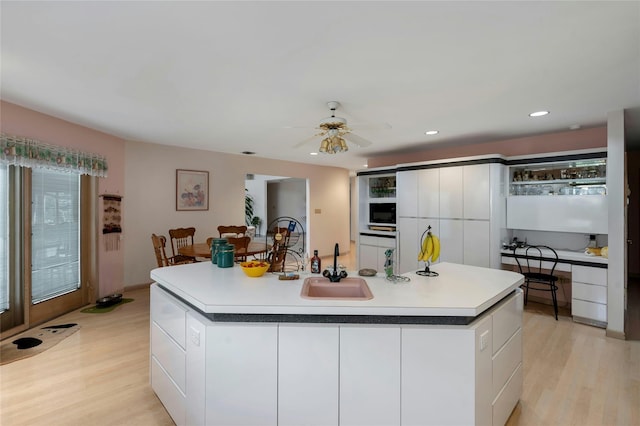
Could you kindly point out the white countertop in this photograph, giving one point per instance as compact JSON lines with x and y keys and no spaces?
{"x":460,"y":290}
{"x":569,"y":255}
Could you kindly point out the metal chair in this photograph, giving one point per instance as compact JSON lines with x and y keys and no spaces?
{"x":181,"y":237}
{"x":537,"y":265}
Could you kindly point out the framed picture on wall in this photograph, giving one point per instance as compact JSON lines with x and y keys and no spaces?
{"x":192,"y":190}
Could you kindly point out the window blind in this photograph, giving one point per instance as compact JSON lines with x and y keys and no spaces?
{"x":55,"y":239}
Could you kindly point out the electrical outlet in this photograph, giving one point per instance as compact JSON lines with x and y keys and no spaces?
{"x":484,"y":340}
{"x":195,"y":336}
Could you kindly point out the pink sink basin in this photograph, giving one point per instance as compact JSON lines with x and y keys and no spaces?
{"x":350,"y":288}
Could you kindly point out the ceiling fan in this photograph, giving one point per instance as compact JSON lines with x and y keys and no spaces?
{"x":335,"y":134}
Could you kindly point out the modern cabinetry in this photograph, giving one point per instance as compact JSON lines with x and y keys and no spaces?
{"x":372,"y":248}
{"x":462,"y":201}
{"x":308,"y":372}
{"x":563,"y":196}
{"x":246,"y":373}
{"x":589,"y":295}
{"x":241,"y":374}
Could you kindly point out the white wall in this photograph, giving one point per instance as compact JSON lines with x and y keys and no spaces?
{"x":149,"y":199}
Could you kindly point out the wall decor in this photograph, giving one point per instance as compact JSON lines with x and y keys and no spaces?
{"x":192,"y":190}
{"x":112,"y":219}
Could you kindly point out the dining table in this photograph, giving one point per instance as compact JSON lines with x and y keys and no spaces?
{"x":204,"y":250}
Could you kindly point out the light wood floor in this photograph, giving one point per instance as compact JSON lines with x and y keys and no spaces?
{"x":573,"y":374}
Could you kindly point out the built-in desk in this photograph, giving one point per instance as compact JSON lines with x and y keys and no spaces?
{"x":588,"y":277}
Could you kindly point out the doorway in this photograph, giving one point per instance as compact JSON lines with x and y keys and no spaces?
{"x":632,"y":319}
{"x":277,"y":196}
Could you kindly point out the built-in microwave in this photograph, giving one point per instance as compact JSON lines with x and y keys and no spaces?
{"x":382,"y":213}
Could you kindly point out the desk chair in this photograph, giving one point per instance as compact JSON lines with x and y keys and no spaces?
{"x":181,"y":237}
{"x":537,"y":265}
{"x":159,"y":243}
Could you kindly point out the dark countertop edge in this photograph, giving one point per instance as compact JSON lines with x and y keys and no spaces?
{"x":336,"y":319}
{"x":569,"y":261}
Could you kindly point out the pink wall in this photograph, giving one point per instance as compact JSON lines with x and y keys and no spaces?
{"x":554,"y":142}
{"x":19,"y":121}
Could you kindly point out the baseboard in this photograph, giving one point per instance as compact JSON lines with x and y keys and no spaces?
{"x":137,"y":286}
{"x":616,"y":334}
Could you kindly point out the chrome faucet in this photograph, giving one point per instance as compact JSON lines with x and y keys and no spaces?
{"x":335,"y":276}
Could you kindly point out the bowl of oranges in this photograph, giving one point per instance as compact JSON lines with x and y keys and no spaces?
{"x":254,"y":268}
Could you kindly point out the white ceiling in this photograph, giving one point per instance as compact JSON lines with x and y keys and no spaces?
{"x":236,"y":76}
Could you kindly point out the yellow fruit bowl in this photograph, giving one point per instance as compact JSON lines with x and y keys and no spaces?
{"x":254,"y":268}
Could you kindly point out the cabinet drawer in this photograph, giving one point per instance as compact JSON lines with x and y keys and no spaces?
{"x":378,"y":241}
{"x":171,"y":356}
{"x":589,"y":292}
{"x":506,"y":401}
{"x":169,"y":314}
{"x":586,"y":274}
{"x":506,"y":361}
{"x":172,"y":398}
{"x":566,"y":267}
{"x":590,"y":310}
{"x":506,"y":320}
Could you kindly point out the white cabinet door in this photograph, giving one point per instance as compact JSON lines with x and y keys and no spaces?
{"x":451,"y":241}
{"x":477,"y":243}
{"x":451,"y":192}
{"x":407,"y":193}
{"x":242,"y":374}
{"x":429,"y":193}
{"x":408,"y":244}
{"x":308,"y":374}
{"x":369,"y":376}
{"x":477,"y":191}
{"x":196,"y":364}
{"x":368,"y":257}
{"x":438,"y":369}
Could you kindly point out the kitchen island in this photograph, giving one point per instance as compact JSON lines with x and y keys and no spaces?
{"x":231,"y":350}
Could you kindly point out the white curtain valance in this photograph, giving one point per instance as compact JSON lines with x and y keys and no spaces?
{"x":26,"y":152}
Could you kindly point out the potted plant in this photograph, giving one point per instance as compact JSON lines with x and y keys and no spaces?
{"x":256,"y":221}
{"x":248,"y":207}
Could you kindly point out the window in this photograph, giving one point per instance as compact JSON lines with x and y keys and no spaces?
{"x":55,"y":239}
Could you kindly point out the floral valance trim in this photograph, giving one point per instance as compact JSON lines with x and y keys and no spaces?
{"x":25,"y":152}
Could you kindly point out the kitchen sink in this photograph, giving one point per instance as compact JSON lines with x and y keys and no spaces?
{"x":349,"y":288}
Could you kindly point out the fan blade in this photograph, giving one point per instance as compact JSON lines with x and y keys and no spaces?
{"x":357,"y":140}
{"x":306,"y":141}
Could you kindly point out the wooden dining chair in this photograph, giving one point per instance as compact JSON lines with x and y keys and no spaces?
{"x":181,"y":237}
{"x":229,"y":230}
{"x":159,"y":244}
{"x":240,"y":243}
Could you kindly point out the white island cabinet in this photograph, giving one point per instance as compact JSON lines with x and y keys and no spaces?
{"x":231,"y":350}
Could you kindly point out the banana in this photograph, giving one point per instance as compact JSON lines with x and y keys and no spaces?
{"x":436,"y":248}
{"x":430,"y":250}
{"x":427,"y":247}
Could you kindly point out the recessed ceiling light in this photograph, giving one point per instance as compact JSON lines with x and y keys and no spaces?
{"x":313,"y":153}
{"x":538,"y":113}
{"x":431,"y":132}
{"x":574,"y":127}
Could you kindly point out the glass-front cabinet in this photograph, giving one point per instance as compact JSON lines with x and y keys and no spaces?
{"x":382,"y":187}
{"x":575,"y":177}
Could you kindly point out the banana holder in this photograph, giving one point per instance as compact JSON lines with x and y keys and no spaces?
{"x":426,"y":272}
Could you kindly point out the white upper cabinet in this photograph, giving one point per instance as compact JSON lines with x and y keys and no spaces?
{"x":429,"y":193}
{"x":451,"y":189}
{"x":407,"y":193}
{"x":477,"y":191}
